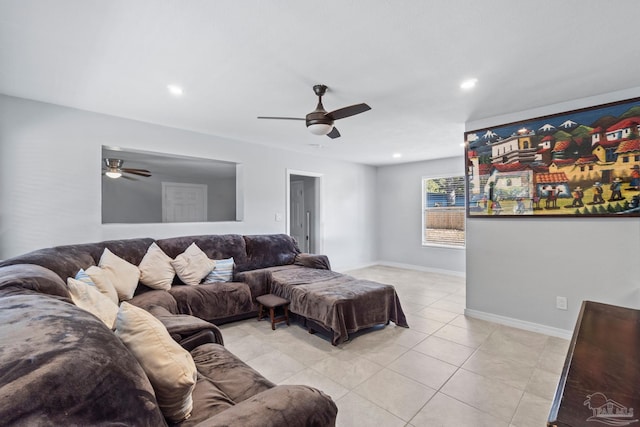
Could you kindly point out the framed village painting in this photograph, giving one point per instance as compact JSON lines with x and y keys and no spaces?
{"x":580,"y":163}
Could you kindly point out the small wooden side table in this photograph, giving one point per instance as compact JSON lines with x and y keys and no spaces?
{"x":272,"y":302}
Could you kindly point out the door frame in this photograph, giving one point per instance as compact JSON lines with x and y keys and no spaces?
{"x":319,"y":208}
{"x":202,"y":189}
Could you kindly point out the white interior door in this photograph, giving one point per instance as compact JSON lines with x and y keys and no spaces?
{"x":184,"y":202}
{"x":297,"y":228}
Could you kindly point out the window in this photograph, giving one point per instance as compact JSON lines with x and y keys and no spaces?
{"x":444,"y":211}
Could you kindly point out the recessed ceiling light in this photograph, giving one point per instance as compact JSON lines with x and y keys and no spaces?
{"x":175,"y":90}
{"x":468,"y":84}
{"x":396,"y":155}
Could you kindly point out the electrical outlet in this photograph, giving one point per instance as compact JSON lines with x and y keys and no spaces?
{"x":561,"y":303}
{"x":278,"y":217}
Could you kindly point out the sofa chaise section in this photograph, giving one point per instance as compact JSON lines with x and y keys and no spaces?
{"x":60,"y":365}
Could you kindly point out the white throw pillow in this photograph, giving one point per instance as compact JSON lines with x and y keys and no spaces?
{"x":170,"y":368}
{"x":223,"y":272}
{"x":103,"y":282}
{"x":156,"y":270}
{"x":124,"y":275}
{"x":89,"y":298}
{"x":192,"y":265}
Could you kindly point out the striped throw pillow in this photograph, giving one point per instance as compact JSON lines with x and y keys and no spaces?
{"x":84,"y":277}
{"x":223,"y":271}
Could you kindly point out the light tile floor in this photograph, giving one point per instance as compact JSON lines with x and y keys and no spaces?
{"x":445,"y":370}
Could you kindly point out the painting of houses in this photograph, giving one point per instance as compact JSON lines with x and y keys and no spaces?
{"x":582,"y":162}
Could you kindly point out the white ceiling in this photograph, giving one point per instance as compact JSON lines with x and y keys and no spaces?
{"x":237,"y":60}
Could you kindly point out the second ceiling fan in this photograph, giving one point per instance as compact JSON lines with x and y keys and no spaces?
{"x":319,"y":121}
{"x":115,"y":170}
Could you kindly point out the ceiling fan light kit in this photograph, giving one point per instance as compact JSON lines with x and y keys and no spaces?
{"x":319,"y":128}
{"x":115,"y":170}
{"x":319,"y":122}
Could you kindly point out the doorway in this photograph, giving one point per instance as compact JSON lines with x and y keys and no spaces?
{"x":303,"y":210}
{"x":183,"y":202}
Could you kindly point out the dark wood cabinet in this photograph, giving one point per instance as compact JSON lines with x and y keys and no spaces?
{"x":600,"y":381}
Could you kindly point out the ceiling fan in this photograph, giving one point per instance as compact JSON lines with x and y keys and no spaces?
{"x":115,"y":170}
{"x":319,"y":122}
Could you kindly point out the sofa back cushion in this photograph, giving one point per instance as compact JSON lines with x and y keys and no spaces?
{"x":66,"y":261}
{"x":268,"y":250}
{"x":216,"y":247}
{"x":31,"y":279}
{"x":60,"y":365}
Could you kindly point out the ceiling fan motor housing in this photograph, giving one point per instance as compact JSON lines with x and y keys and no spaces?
{"x":319,"y":115}
{"x":113,"y":163}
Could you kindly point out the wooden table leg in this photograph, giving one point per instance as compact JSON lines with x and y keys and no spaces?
{"x":272,"y":315}
{"x":286,"y":314}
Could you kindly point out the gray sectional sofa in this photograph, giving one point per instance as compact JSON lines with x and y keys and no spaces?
{"x":61,"y":365}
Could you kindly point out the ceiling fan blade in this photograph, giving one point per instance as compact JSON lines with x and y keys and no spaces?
{"x":334,"y":133}
{"x":141,"y":172}
{"x":280,"y":118}
{"x":349,"y":111}
{"x":135,"y":170}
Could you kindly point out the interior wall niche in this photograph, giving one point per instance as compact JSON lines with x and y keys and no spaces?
{"x":201,"y":190}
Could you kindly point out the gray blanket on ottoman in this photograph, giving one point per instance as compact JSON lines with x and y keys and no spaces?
{"x":340,"y":303}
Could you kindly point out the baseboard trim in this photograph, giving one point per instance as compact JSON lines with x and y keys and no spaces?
{"x":342,"y":269}
{"x":520,"y":324}
{"x":401,"y":265}
{"x":421,"y":268}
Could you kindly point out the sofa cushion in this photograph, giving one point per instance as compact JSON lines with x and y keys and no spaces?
{"x":214,"y":246}
{"x":169,"y":367}
{"x":320,"y":262}
{"x":124,"y":275}
{"x":89,"y":298}
{"x":156,"y":270}
{"x":65,"y":261}
{"x":208,"y":401}
{"x":259,"y":281}
{"x":231,"y":375}
{"x":153,"y":298}
{"x":103,"y":282}
{"x":268,"y":250}
{"x":61,"y":366}
{"x":192,"y":265}
{"x":213,"y":301}
{"x":283,"y":405}
{"x":222,"y":272}
{"x":33,"y":279}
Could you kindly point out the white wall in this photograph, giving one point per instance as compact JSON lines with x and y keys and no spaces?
{"x":399,"y":212}
{"x":517,"y":267}
{"x":50,"y":183}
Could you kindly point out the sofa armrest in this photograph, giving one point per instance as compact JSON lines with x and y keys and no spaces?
{"x":186,"y":329}
{"x":199,"y":338}
{"x":258,"y":281}
{"x":283,"y":405}
{"x":320,"y":262}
